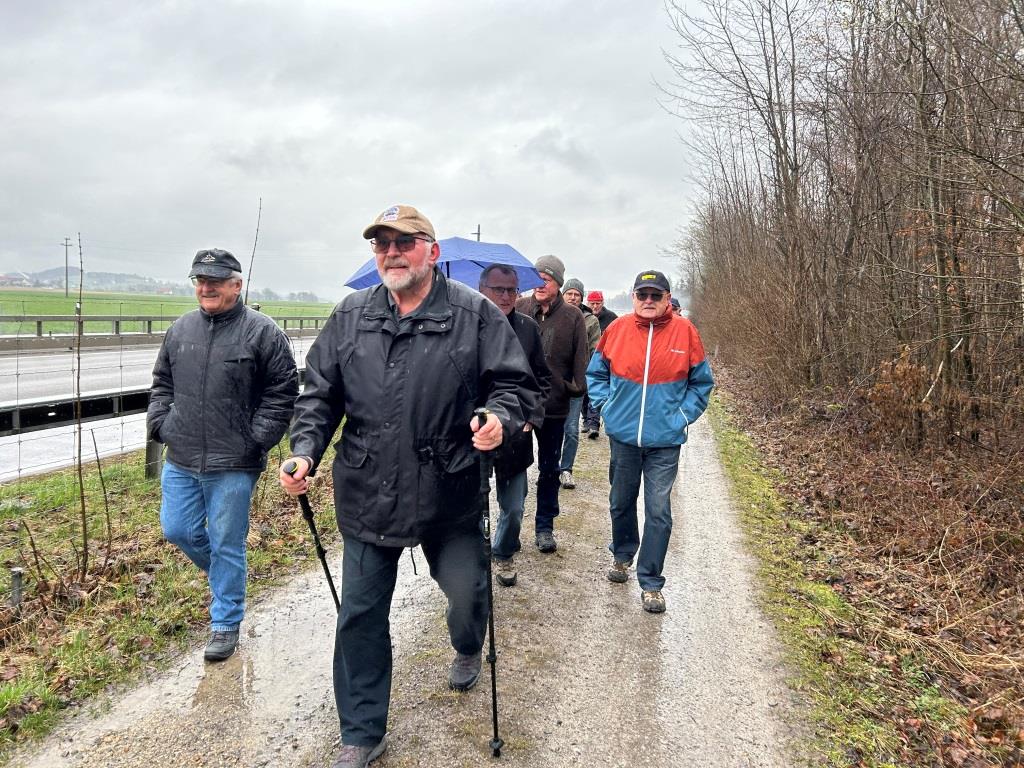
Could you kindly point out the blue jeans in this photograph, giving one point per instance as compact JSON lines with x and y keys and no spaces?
{"x":658,"y":468}
{"x":362,"y":645}
{"x":591,"y":416}
{"x":206,"y":516}
{"x":571,"y":442}
{"x":511,"y":502}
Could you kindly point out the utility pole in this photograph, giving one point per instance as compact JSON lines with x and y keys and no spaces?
{"x":477,"y":233}
{"x":66,"y":244}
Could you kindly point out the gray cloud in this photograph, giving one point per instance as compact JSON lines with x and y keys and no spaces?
{"x":155,"y":128}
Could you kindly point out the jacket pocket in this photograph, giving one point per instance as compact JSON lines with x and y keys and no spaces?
{"x":353,"y":451}
{"x":448,"y":481}
{"x":166,"y":429}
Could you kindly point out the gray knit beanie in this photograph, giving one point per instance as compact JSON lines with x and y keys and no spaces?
{"x":571,"y":283}
{"x":553,"y":267}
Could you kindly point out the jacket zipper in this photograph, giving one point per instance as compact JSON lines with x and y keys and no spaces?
{"x":643,"y":392}
{"x":202,"y":395}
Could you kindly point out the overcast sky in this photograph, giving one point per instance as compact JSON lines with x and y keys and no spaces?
{"x":154,"y":128}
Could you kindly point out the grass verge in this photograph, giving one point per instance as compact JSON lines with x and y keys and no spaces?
{"x":865,"y":697}
{"x":138,"y":601}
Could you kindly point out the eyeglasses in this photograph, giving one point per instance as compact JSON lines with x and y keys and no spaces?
{"x":649,"y":295}
{"x":501,"y":290}
{"x":404,"y":243}
{"x":204,"y":280}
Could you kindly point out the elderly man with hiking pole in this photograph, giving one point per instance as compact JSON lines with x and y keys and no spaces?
{"x":405,"y":364}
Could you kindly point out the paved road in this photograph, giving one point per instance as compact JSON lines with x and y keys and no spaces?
{"x":585,"y":677}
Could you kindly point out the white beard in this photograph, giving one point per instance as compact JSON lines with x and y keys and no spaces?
{"x":412,"y":279}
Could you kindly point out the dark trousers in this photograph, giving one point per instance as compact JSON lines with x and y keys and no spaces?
{"x":549,"y":455}
{"x":362,"y":646}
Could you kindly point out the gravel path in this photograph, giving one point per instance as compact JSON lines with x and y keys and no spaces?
{"x":585,"y":677}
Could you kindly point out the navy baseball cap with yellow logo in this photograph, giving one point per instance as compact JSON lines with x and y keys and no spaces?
{"x":652,"y":278}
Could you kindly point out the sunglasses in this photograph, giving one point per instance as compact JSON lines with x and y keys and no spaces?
{"x":404,"y":243}
{"x":649,"y":295}
{"x":501,"y":290}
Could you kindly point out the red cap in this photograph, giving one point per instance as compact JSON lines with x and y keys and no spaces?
{"x":595,"y":296}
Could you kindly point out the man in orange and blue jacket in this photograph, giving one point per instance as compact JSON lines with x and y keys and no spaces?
{"x":651,"y":380}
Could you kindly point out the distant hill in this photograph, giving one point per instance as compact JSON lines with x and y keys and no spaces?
{"x":121,"y":282}
{"x":108,"y":281}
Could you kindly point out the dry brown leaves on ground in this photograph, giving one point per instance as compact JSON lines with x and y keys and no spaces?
{"x":927,"y":545}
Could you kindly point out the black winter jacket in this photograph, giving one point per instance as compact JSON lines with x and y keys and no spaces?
{"x":563,"y":333}
{"x":516,"y":453}
{"x":405,"y":466}
{"x":223,"y":390}
{"x":605,"y":318}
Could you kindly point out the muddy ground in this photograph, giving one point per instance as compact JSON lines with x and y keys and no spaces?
{"x":585,"y":677}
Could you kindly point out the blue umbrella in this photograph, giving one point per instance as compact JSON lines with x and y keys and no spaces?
{"x":464,"y":260}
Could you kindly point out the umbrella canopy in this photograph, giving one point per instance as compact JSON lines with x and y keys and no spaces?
{"x":464,"y":260}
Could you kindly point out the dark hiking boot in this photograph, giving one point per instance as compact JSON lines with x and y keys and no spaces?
{"x":594,"y":433}
{"x":465,"y":671}
{"x":353,"y":756}
{"x":546,"y":541}
{"x":506,"y":572}
{"x":221,"y":645}
{"x":654,"y":601}
{"x":619,"y":572}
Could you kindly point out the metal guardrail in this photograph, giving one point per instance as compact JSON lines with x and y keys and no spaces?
{"x":119,"y":330}
{"x":118,"y":324}
{"x":48,"y":412}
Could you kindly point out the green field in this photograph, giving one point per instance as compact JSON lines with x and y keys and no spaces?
{"x":37,"y":301}
{"x":33,"y":301}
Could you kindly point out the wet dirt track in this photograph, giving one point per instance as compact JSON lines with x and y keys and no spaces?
{"x":585,"y":677}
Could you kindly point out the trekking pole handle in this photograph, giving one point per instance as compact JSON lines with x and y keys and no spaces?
{"x":481,"y":417}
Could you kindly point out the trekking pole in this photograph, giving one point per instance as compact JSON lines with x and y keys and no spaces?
{"x":307,"y":513}
{"x":486,"y":461}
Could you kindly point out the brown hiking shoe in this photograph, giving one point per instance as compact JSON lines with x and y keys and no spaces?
{"x":506,"y":572}
{"x":654,"y":601}
{"x":619,"y":572}
{"x":353,"y":756}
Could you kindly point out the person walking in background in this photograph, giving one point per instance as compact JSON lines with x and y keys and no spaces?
{"x":500,"y":284}
{"x":676,"y":307}
{"x":592,"y":415}
{"x":563,"y":335}
{"x":572,"y":292}
{"x":652,"y":381}
{"x":405,"y":364}
{"x":595,"y":300}
{"x":224,"y":384}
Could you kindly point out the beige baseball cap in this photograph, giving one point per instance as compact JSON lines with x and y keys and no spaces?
{"x":401,"y":218}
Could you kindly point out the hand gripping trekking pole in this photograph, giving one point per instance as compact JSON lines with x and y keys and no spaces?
{"x":486,"y":460}
{"x":307,"y":513}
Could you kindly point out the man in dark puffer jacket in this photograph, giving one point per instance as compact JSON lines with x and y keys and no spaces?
{"x":224,"y":386}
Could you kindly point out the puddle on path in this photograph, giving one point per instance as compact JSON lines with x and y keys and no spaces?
{"x":269,"y":704}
